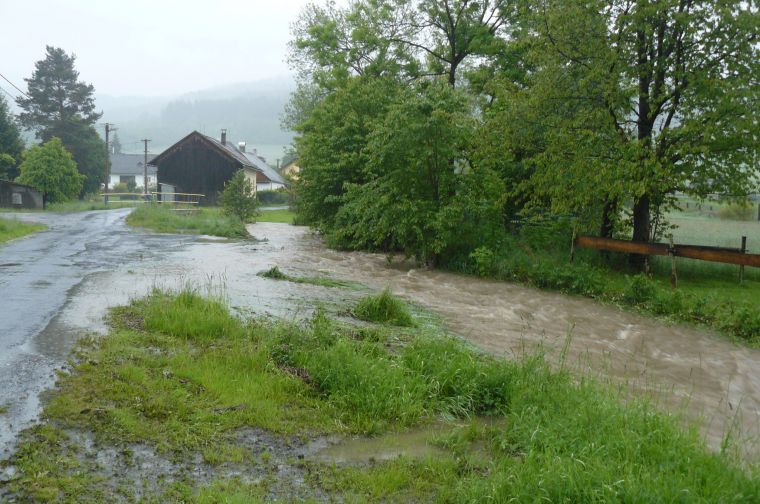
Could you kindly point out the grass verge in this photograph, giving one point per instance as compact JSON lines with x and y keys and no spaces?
{"x":11,"y":229}
{"x":206,"y":221}
{"x":274,"y":273}
{"x":181,"y":376}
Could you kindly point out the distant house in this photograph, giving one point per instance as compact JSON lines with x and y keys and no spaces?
{"x":291,"y":169}
{"x":13,"y":195}
{"x":200,"y":164}
{"x":128,"y":168}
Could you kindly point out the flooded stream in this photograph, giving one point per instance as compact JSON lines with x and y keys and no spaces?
{"x":690,"y":369}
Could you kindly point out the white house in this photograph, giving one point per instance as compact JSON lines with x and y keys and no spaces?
{"x":126,"y":168}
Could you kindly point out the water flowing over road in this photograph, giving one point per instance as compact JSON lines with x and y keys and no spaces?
{"x":58,"y":284}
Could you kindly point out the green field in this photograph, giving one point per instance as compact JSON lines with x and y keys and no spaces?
{"x":12,"y":228}
{"x":210,"y":397}
{"x":284,"y":216}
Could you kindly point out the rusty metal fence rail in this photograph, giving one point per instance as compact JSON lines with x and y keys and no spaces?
{"x":726,"y":255}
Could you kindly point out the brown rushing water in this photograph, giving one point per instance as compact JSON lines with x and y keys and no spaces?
{"x":690,"y":369}
{"x":712,"y":380}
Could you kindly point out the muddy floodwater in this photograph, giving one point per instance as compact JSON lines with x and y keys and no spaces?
{"x":58,"y":285}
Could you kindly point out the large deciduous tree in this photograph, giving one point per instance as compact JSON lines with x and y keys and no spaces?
{"x":11,"y":145}
{"x":50,"y":169}
{"x":59,"y":105}
{"x":678,"y":83}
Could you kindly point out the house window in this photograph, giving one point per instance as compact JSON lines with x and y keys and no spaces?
{"x":127,"y":179}
{"x":16,"y":198}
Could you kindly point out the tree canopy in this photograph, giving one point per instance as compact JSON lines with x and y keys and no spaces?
{"x":50,"y":169}
{"x":11,"y":144}
{"x":59,"y":105}
{"x":601,"y":110}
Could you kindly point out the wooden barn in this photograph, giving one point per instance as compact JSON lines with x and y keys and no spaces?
{"x":200,"y":164}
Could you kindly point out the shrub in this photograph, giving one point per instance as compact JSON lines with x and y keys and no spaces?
{"x":384,"y":308}
{"x":639,"y":289}
{"x":239,"y":198}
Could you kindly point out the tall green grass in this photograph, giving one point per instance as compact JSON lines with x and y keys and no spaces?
{"x":384,"y":308}
{"x":11,"y":229}
{"x":180,"y":373}
{"x":207,"y":221}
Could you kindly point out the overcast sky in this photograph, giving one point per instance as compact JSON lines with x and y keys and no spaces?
{"x":150,"y":48}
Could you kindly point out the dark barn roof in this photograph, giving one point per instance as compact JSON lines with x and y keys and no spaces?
{"x":228,"y":149}
{"x":131,"y":164}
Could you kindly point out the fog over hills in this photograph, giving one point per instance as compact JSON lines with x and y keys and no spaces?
{"x":250,"y":111}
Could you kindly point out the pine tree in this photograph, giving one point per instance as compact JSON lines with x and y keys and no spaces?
{"x":59,"y":105}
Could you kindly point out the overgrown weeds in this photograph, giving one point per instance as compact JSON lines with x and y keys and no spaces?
{"x":384,"y":308}
{"x":205,"y":221}
{"x":179,"y":373}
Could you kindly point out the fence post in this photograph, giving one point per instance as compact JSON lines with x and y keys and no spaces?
{"x":741,"y":268}
{"x":572,"y":244}
{"x":672,"y":254}
{"x":758,"y":211}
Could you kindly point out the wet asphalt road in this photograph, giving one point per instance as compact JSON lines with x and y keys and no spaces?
{"x":37,"y":275}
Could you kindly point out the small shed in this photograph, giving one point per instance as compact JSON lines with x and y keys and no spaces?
{"x":14,"y":195}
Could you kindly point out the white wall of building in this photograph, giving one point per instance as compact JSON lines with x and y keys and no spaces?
{"x":115,"y":179}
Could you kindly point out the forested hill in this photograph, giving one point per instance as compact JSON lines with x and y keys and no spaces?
{"x":249,"y":111}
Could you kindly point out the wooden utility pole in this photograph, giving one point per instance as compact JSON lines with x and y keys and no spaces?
{"x":108,"y":163}
{"x":145,"y":169}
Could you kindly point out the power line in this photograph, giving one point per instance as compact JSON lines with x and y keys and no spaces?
{"x":12,"y":84}
{"x":6,"y":92}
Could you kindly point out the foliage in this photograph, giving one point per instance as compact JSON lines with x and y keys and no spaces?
{"x":384,"y":308}
{"x":11,"y":145}
{"x":277,"y":197}
{"x":239,"y":198}
{"x":205,"y":221}
{"x":656,"y":99}
{"x":57,"y":104}
{"x":51,"y":170}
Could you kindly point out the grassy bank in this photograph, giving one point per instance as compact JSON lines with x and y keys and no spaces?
{"x":206,"y":221}
{"x":226,"y":410}
{"x":11,"y":229}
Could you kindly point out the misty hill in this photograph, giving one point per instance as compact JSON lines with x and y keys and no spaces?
{"x":250,"y":111}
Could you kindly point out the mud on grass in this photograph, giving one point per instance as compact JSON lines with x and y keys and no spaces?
{"x":184,"y":402}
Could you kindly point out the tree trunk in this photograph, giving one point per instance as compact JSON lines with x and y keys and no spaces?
{"x":610,"y":207}
{"x":641,"y":214}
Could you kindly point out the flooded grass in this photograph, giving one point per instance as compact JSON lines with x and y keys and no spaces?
{"x":11,"y":229}
{"x":204,"y":221}
{"x":184,"y":402}
{"x":384,"y":308}
{"x":274,"y":273}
